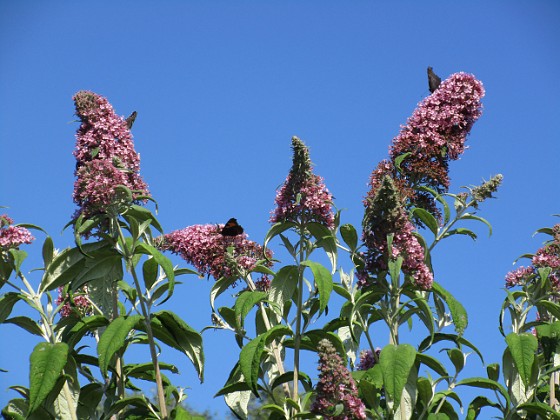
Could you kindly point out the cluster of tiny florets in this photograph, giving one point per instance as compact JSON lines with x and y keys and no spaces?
{"x":206,"y":249}
{"x":547,"y":256}
{"x":335,"y":387}
{"x":77,"y":303}
{"x":368,"y":359}
{"x":105,"y":155}
{"x":303,"y":197}
{"x":13,"y":236}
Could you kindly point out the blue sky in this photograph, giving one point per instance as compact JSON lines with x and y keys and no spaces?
{"x":221,"y":87}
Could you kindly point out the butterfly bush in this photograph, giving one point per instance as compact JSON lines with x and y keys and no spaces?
{"x":335,"y":387}
{"x":13,"y":236}
{"x":385,"y":215}
{"x":105,"y":156}
{"x":434,"y":134}
{"x":205,"y":248}
{"x":367,"y":359}
{"x":547,"y":256}
{"x":303,"y":197}
{"x":76,"y":304}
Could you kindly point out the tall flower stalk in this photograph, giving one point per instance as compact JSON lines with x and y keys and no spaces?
{"x":303,"y":202}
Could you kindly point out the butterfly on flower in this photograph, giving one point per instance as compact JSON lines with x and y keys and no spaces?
{"x":231,"y":228}
{"x":433,"y":80}
{"x":130,"y":120}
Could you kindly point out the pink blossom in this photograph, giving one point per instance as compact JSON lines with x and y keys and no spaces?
{"x":105,"y":155}
{"x":13,"y":236}
{"x":367,"y":359}
{"x":335,"y":386}
{"x":206,"y":249}
{"x":519,"y":276}
{"x":303,"y":197}
{"x":77,"y":304}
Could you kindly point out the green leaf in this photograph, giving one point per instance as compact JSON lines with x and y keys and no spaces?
{"x":150,"y":272}
{"x":480,"y":219}
{"x":67,"y":265}
{"x":540,"y":409}
{"x":349,"y":236}
{"x":323,"y":281}
{"x":72,"y":334}
{"x":143,"y":214}
{"x":106,"y":265}
{"x":163,"y":262}
{"x":458,"y":311}
{"x":252,"y":353}
{"x":90,"y":397}
{"x":284,"y":284}
{"x":396,"y":363}
{"x":136,"y":401}
{"x":275,"y":230}
{"x":523,"y":348}
{"x":244,"y":303}
{"x":47,"y":363}
{"x":432,"y":363}
{"x":26,"y":323}
{"x":458,"y":340}
{"x":493,"y":371}
{"x":457,"y":358}
{"x":485,"y":384}
{"x":326,"y":240}
{"x":113,"y":339}
{"x":220,"y":287}
{"x":427,"y":218}
{"x":462,"y":231}
{"x":18,"y":256}
{"x":48,"y":250}
{"x":175,"y":332}
{"x":550,"y":307}
{"x":477,"y":404}
{"x":7,"y":302}
{"x":289,"y":376}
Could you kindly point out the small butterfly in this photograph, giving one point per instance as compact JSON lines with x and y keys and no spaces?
{"x":231,"y":228}
{"x":130,"y":119}
{"x":433,"y":80}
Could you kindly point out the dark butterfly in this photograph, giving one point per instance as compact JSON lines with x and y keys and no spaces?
{"x":130,"y":119}
{"x":433,"y":80}
{"x":232,"y":228}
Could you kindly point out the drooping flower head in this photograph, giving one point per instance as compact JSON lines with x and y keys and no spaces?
{"x":335,"y":387}
{"x":206,"y":249}
{"x":385,"y":214}
{"x":105,"y":156}
{"x":303,"y":197}
{"x":12,"y":236}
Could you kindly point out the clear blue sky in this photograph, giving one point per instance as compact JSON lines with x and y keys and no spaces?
{"x":220,"y":88}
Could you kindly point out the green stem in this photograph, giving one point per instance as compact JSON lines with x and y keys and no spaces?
{"x":297,"y":337}
{"x":147,"y":323}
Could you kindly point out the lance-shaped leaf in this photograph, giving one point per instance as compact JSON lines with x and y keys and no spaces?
{"x":275,"y":230}
{"x":486,"y":384}
{"x":163,"y":262}
{"x":323,"y":281}
{"x":396,"y":363}
{"x":7,"y":303}
{"x":427,"y":218}
{"x":349,"y":236}
{"x":284,"y":284}
{"x":106,"y":266}
{"x":67,"y":265}
{"x":523,"y":348}
{"x":220,"y":287}
{"x":47,"y":363}
{"x":176,"y":333}
{"x":477,"y":404}
{"x":458,"y":311}
{"x":244,"y":303}
{"x":326,"y":240}
{"x":251,"y":355}
{"x":113,"y":339}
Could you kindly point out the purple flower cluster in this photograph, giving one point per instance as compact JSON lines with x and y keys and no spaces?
{"x":13,"y":236}
{"x":78,"y":304}
{"x":547,"y":256}
{"x":385,"y":214}
{"x":335,"y":387}
{"x":367,"y":359}
{"x":105,"y":155}
{"x":205,"y":248}
{"x":433,"y":135}
{"x":303,"y":197}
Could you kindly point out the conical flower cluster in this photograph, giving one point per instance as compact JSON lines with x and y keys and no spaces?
{"x":12,"y":236}
{"x":303,"y":197}
{"x":105,"y":156}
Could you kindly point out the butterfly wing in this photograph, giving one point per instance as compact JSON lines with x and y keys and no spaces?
{"x":433,"y":80}
{"x":232,"y":228}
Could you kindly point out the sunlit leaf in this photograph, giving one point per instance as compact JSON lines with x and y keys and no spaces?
{"x":323,"y":281}
{"x":523,"y":348}
{"x":113,"y":339}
